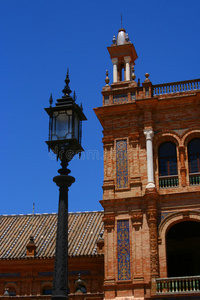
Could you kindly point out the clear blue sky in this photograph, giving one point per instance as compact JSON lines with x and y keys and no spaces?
{"x":39,"y":40}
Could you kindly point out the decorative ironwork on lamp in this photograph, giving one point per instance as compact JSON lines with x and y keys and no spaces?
{"x":65,"y":125}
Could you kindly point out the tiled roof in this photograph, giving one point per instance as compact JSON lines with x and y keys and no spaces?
{"x":15,"y":231}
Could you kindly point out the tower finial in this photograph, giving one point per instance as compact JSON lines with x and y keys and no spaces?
{"x":121,"y":20}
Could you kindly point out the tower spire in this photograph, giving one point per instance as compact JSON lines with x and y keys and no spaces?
{"x":121,"y":20}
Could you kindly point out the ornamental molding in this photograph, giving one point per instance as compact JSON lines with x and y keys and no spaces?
{"x":108,"y":141}
{"x":152,"y":215}
{"x":137,"y":219}
{"x":109,"y":221}
{"x":127,"y":59}
{"x":114,"y":60}
{"x":133,"y":138}
{"x":148,"y":132}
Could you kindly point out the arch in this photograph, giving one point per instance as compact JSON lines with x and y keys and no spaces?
{"x":189,"y":135}
{"x":46,"y":288}
{"x":11,"y":287}
{"x":165,"y":225}
{"x":166,"y":136}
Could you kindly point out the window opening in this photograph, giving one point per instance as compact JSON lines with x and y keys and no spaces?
{"x":168,"y":173}
{"x":194,"y":161}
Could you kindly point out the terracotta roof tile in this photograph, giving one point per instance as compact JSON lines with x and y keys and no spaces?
{"x":15,"y":230}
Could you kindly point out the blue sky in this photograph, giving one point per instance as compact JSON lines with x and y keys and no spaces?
{"x":39,"y":40}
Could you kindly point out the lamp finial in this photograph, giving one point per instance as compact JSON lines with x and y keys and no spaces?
{"x":66,"y":89}
{"x":50,"y":100}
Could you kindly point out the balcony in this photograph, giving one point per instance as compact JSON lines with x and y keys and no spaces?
{"x":178,"y":285}
{"x":194,"y":178}
{"x":168,"y":181}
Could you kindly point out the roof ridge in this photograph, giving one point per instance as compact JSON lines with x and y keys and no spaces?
{"x":54,"y":213}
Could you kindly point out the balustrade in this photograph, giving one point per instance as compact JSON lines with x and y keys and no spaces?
{"x":168,"y":181}
{"x":189,"y":284}
{"x":194,"y":178}
{"x":176,"y":87}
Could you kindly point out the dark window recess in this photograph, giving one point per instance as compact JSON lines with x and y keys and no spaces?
{"x":81,"y":289}
{"x":167,"y":159}
{"x":194,"y":156}
{"x":47,"y":291}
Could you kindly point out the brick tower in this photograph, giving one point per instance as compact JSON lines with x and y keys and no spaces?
{"x":151,"y":183}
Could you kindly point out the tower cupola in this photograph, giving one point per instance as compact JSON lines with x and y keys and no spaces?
{"x":121,"y":37}
{"x":123,"y":55}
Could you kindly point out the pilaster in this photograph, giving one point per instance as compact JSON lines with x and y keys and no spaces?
{"x":183,"y":168}
{"x":152,"y":215}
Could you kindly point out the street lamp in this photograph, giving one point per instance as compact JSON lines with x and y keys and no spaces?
{"x":65,"y":120}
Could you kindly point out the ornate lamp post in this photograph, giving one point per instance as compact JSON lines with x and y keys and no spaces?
{"x":65,"y":120}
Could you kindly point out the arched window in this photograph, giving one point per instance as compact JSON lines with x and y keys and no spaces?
{"x":81,"y":289}
{"x":46,"y":288}
{"x":80,"y":285}
{"x":10,"y":289}
{"x":194,"y":156}
{"x":183,"y":249}
{"x":47,"y":291}
{"x":194,"y":161}
{"x":168,"y":171}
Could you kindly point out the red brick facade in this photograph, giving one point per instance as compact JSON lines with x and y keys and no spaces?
{"x":151,"y":201}
{"x":172,"y":113}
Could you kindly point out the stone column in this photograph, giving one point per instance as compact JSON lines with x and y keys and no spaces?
{"x":149,"y":148}
{"x":115,"y":61}
{"x":127,"y":60}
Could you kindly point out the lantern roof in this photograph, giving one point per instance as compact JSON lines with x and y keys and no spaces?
{"x":66,"y":102}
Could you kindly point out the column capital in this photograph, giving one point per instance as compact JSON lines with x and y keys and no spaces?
{"x":114,"y":60}
{"x":148,"y":132}
{"x":127,"y":59}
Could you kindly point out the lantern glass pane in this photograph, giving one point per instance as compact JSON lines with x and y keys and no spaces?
{"x":76,"y":127}
{"x":62,"y":125}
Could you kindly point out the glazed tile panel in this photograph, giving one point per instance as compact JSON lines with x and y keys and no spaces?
{"x":121,"y":164}
{"x":122,"y":98}
{"x":123,"y":250}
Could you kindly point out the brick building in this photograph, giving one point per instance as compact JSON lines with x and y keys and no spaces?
{"x":146,"y":242}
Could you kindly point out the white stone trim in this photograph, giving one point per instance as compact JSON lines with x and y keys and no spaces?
{"x":127,"y":60}
{"x":115,"y":61}
{"x":149,"y":149}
